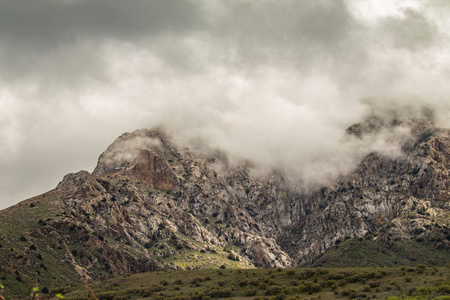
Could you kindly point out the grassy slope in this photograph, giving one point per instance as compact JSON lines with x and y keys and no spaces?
{"x":30,"y":258}
{"x":380,"y":283}
{"x":40,"y":260}
{"x":373,"y":253}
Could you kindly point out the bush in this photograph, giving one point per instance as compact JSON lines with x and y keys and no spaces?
{"x":421,"y":268}
{"x":444,"y":289}
{"x":164,"y":282}
{"x":335,"y":276}
{"x":291,"y":273}
{"x":329,"y":283}
{"x":109,"y":295}
{"x":233,"y":257}
{"x":273,"y":290}
{"x":243,"y":282}
{"x":251,"y":292}
{"x":314,"y":288}
{"x":349,"y":293}
{"x":220,"y":293}
{"x":424,"y":290}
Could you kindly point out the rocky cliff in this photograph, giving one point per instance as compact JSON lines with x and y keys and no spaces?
{"x":153,"y":204}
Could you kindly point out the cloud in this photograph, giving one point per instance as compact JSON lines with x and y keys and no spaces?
{"x":273,"y":81}
{"x":46,"y":37}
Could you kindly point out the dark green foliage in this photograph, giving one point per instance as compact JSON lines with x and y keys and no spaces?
{"x":273,"y":290}
{"x":220,"y":293}
{"x":372,"y":253}
{"x":270,"y":284}
{"x":233,"y":257}
{"x":164,"y":282}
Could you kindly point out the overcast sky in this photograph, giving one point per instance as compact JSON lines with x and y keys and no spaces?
{"x":277,"y":81}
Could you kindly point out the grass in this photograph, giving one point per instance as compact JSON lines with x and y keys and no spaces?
{"x":420,"y":282}
{"x":208,"y":260}
{"x":20,"y":218}
{"x":32,"y":259}
{"x":373,"y":253}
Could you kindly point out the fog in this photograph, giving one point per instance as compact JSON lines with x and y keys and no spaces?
{"x":276,"y":82}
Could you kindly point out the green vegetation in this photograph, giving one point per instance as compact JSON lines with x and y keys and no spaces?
{"x":32,"y":259}
{"x":373,"y":253}
{"x":420,"y":282}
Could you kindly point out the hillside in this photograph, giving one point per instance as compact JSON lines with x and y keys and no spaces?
{"x":152,"y":204}
{"x":419,"y":282}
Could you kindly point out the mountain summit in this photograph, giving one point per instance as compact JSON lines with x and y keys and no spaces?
{"x":153,"y":204}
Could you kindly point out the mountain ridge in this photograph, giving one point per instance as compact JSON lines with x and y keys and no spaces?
{"x":151,"y":204}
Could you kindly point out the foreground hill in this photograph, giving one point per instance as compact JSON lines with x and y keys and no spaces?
{"x":419,"y":282}
{"x":152,"y":204}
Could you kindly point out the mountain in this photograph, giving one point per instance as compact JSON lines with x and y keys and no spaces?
{"x":154,"y":204}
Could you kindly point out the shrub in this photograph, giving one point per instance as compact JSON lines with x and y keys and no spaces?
{"x":243,"y":282}
{"x":164,"y":282}
{"x":251,"y":292}
{"x":349,"y":293}
{"x":444,"y":289}
{"x":273,"y":290}
{"x":424,"y":290}
{"x":253,"y":282}
{"x":291,"y":272}
{"x":421,"y":268}
{"x":329,"y":283}
{"x":336,"y":276}
{"x":233,"y":257}
{"x":314,"y":288}
{"x":220,"y":293}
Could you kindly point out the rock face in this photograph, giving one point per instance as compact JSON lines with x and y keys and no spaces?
{"x":151,"y":204}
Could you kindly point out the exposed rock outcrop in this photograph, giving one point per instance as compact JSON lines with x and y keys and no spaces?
{"x":151,"y":204}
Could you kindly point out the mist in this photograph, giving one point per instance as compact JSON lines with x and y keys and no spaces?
{"x":275,"y":82}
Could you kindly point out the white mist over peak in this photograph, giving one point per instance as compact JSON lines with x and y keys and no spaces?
{"x":277,"y":82}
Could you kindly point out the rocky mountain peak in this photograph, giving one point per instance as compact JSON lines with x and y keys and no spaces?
{"x":151,"y":204}
{"x":126,"y":151}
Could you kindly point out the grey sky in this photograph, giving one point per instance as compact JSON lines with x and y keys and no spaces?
{"x":274,"y":81}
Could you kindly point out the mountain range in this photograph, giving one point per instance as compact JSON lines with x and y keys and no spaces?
{"x":152,"y":204}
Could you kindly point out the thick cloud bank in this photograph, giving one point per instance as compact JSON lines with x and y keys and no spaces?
{"x":277,"y":82}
